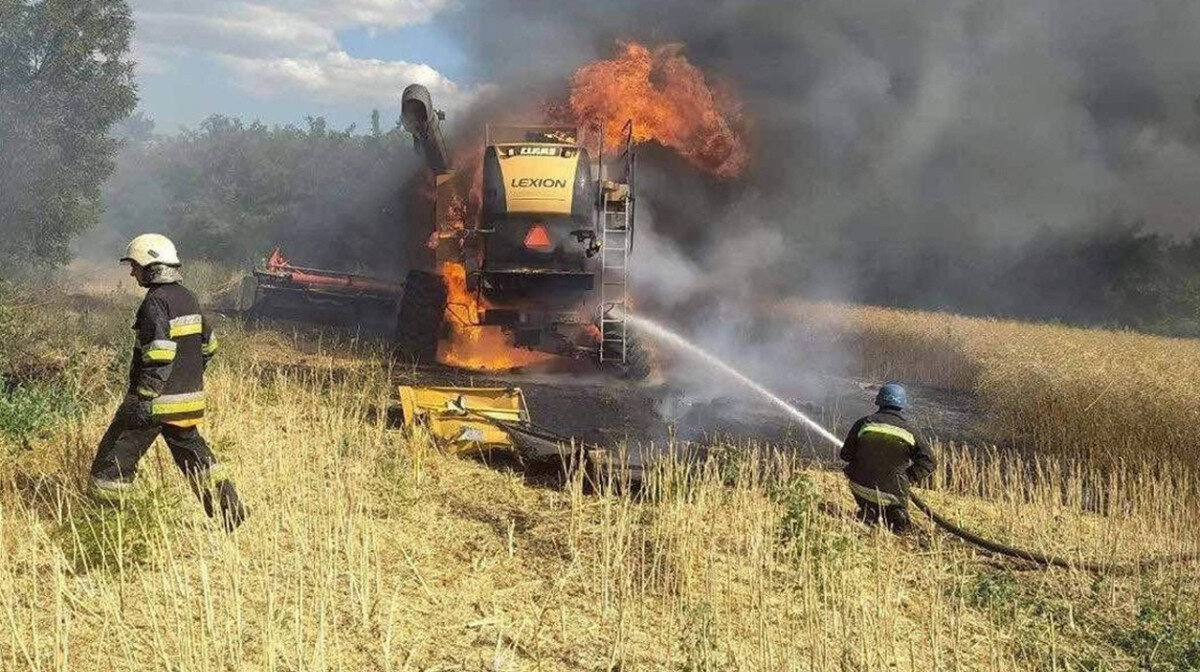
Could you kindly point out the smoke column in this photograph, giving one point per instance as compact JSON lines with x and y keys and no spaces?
{"x":900,"y":146}
{"x":900,"y":153}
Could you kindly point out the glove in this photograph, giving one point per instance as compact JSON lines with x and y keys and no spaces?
{"x":138,"y":411}
{"x":915,"y":476}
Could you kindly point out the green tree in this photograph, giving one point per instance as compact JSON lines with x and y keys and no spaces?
{"x":230,"y":190}
{"x":65,"y":78}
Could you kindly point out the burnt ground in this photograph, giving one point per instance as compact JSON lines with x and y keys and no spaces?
{"x":601,"y":410}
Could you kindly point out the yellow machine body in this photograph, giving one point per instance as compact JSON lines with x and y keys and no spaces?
{"x":459,"y":418}
{"x":538,"y":172}
{"x":538,"y":178}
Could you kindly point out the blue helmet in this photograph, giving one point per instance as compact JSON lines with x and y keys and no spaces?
{"x":891,"y":394}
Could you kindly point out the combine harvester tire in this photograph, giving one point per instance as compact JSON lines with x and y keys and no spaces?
{"x":639,"y":361}
{"x":419,"y":320}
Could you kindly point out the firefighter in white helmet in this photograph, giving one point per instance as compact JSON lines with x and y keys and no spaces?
{"x":173,"y":344}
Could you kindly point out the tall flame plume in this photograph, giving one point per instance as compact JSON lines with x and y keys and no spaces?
{"x":669,"y":101}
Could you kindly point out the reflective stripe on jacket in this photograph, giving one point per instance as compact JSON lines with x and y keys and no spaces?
{"x":173,"y":344}
{"x":884,"y":454}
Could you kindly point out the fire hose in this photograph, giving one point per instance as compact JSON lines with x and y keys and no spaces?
{"x":1043,"y":559}
{"x":684,"y":344}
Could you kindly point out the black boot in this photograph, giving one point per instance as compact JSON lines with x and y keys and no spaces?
{"x":207,"y":500}
{"x":203,"y":493}
{"x":233,"y":512}
{"x":897,"y":520}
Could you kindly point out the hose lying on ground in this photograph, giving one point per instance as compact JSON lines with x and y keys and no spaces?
{"x":547,"y":435}
{"x":1041,"y":558}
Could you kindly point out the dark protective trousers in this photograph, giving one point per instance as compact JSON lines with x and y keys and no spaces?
{"x":895,"y":516}
{"x":127,"y":440}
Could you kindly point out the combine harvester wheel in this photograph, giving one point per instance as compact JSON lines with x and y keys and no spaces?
{"x":639,"y":360}
{"x":419,"y":320}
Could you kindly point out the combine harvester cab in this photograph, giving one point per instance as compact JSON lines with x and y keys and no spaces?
{"x":546,"y":261}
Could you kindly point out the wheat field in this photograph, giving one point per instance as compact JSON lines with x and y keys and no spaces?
{"x":1097,"y":395}
{"x":369,"y":549}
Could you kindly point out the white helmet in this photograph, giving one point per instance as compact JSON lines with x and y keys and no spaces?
{"x":151,"y":248}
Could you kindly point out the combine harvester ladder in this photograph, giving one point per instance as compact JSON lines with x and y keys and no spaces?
{"x":616,"y":222}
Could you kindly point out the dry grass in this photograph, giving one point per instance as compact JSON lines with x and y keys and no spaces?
{"x":1098,"y":395}
{"x":368,"y":550}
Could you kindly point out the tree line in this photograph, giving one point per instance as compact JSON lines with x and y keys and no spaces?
{"x":65,"y":78}
{"x":1111,"y":274}
{"x":231,"y":190}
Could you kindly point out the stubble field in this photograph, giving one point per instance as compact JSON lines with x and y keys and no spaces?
{"x":368,"y":549}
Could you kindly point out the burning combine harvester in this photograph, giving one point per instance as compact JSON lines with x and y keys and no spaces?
{"x":543,"y":265}
{"x":529,"y":264}
{"x":536,"y":269}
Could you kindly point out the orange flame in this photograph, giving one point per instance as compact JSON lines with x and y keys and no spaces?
{"x":469,"y":345}
{"x":669,"y":102}
{"x":476,"y":347}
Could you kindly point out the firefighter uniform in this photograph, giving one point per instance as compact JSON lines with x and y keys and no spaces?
{"x":884,"y":455}
{"x":173,"y":344}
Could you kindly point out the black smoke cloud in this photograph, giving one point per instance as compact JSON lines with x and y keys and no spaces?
{"x":903,"y":152}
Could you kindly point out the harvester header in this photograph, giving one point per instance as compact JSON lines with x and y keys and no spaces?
{"x":280,"y":289}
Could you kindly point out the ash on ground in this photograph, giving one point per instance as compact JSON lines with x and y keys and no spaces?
{"x":615,"y":414}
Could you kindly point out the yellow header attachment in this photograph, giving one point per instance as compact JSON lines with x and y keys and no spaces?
{"x":458,"y":417}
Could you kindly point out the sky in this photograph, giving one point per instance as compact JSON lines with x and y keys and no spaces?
{"x":281,"y":60}
{"x":940,"y":120}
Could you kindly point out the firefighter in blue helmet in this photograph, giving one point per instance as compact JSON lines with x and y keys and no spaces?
{"x":884,"y":455}
{"x":174,"y":343}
